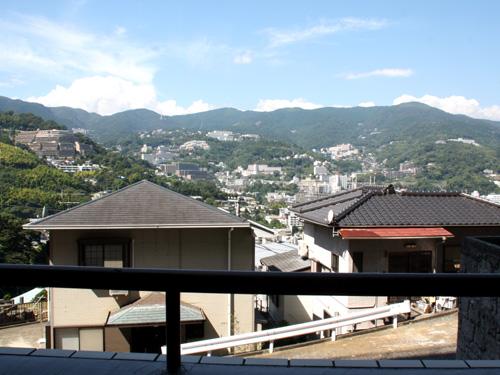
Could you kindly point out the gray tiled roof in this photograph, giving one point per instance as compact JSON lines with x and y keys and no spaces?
{"x":286,"y":262}
{"x":141,"y":205}
{"x":371,"y":208}
{"x":150,"y":310}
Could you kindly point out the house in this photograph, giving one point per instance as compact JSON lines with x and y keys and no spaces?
{"x":148,"y":226}
{"x":284,"y":258}
{"x":371,"y":229}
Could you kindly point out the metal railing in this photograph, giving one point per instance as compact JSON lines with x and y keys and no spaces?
{"x":173,"y":282}
{"x":270,"y":335}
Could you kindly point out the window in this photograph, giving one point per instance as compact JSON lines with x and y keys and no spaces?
{"x":105,"y":253}
{"x":357,"y":261}
{"x":335,"y":262}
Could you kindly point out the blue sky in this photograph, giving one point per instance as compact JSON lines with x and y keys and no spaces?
{"x":191,"y":56}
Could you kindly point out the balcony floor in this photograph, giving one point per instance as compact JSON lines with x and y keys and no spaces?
{"x":40,"y":362}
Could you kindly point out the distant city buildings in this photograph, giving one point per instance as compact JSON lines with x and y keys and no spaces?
{"x":193,"y":145}
{"x":229,"y":136}
{"x":188,"y":171}
{"x":221,"y":135}
{"x":260,"y":169}
{"x":53,"y":143}
{"x":460,"y":140}
{"x":72,"y":168}
{"x":158,"y":155}
{"x":341,"y":151}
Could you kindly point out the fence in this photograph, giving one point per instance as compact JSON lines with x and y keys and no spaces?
{"x":270,"y":335}
{"x":246,"y":282}
{"x":22,"y":313}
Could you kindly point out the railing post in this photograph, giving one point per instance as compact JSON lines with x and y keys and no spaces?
{"x":334,"y":334}
{"x":395,"y":321}
{"x":271,"y":346}
{"x":173,"y":309}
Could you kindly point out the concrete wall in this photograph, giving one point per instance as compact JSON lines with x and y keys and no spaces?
{"x":479,"y":318}
{"x":163,"y":248}
{"x":322,"y":244}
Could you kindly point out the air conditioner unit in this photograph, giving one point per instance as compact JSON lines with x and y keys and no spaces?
{"x":114,"y":292}
{"x":303,"y":249}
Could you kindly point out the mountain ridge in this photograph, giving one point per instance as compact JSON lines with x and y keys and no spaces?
{"x":364,"y":126}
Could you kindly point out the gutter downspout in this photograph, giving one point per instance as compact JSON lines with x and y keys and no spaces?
{"x":229,"y":296}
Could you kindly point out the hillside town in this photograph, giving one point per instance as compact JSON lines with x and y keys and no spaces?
{"x":250,"y":188}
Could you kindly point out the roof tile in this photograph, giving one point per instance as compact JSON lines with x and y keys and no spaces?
{"x":366,"y":208}
{"x":141,"y":205}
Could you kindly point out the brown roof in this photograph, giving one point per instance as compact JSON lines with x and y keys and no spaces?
{"x":140,"y":205}
{"x":369,"y":207}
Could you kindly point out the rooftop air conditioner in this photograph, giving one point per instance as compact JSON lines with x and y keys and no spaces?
{"x":303,"y":249}
{"x":114,"y":292}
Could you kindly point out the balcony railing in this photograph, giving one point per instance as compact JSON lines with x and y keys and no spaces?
{"x":174,"y":282}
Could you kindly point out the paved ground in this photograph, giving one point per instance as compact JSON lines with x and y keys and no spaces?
{"x":24,"y":336}
{"x":431,"y":338}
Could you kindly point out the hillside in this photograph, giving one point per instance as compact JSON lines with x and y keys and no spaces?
{"x":29,"y":187}
{"x":393,"y":134}
{"x":370,"y":127}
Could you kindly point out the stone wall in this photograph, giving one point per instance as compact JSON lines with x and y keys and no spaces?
{"x":479,"y":318}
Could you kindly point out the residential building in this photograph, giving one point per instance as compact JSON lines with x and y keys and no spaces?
{"x":189,"y":171}
{"x":256,"y":169}
{"x":193,"y":145}
{"x":371,"y":229}
{"x":148,"y":226}
{"x":72,"y":168}
{"x":222,"y":135}
{"x":52,"y":143}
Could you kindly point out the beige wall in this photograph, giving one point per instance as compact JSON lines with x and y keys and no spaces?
{"x":163,"y":248}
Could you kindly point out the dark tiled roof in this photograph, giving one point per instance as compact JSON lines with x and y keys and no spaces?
{"x":151,"y":310}
{"x":286,"y":262}
{"x":141,"y":205}
{"x":369,"y":208}
{"x":317,"y":210}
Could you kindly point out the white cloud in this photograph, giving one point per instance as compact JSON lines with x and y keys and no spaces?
{"x":108,"y":94}
{"x":114,"y":73}
{"x":171,"y":108}
{"x":12,"y":82}
{"x":454,"y":104}
{"x":279,"y":37}
{"x":120,"y":30}
{"x":267,"y":105}
{"x":366,"y":104}
{"x":387,"y":72}
{"x":243,"y":58}
{"x":38,"y":44}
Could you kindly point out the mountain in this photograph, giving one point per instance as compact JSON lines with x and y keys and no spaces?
{"x":370,"y":127}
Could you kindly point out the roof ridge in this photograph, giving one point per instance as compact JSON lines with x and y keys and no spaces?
{"x":294,"y":207}
{"x":326,"y":204}
{"x":160,"y":189}
{"x":431,"y":193}
{"x":88,"y":202}
{"x":354,"y":206}
{"x":188,"y":198}
{"x":478,"y":199}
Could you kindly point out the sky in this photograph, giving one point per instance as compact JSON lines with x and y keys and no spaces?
{"x":186,"y":56}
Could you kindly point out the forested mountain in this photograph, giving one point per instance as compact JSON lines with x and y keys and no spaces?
{"x":369,"y":127}
{"x":393,"y":134}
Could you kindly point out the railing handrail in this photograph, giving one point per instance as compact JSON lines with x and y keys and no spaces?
{"x":245,"y":282}
{"x":252,"y":282}
{"x":295,"y":329}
